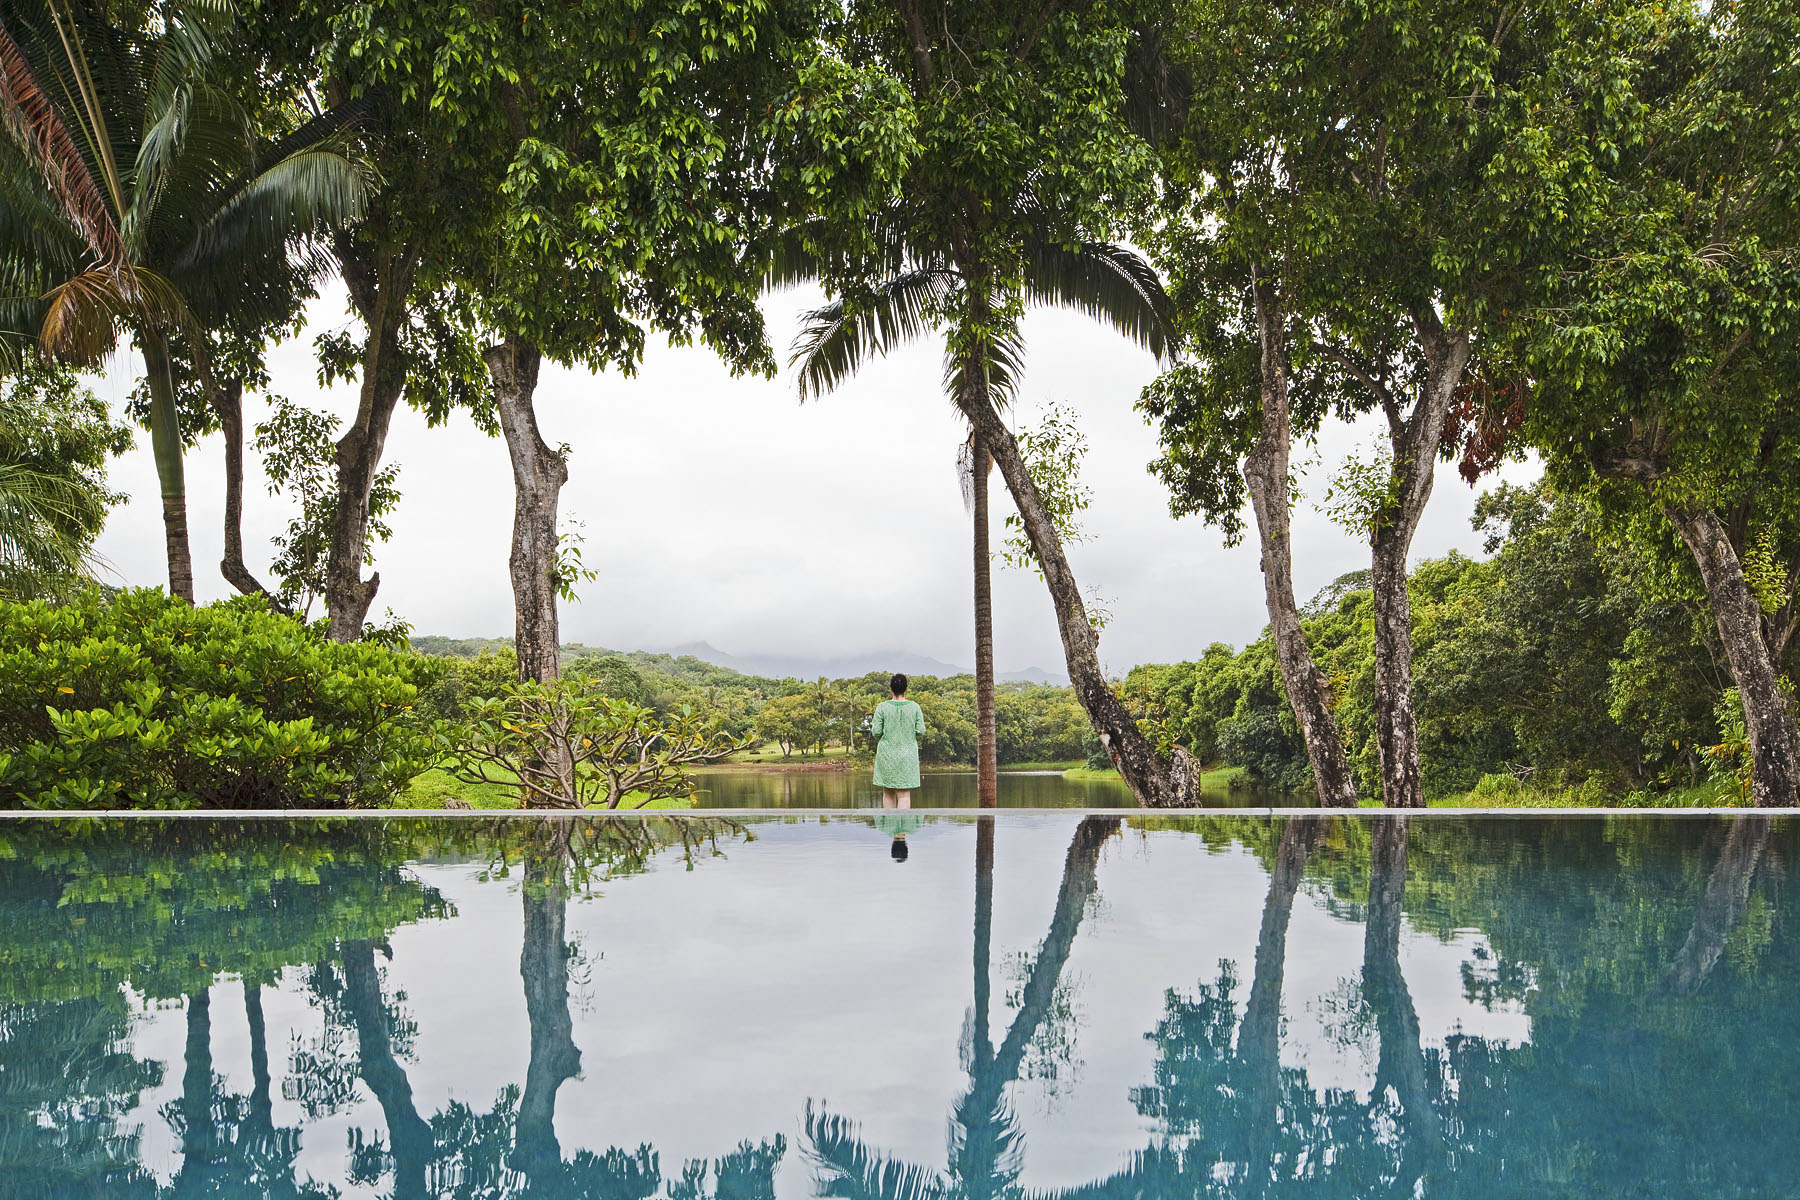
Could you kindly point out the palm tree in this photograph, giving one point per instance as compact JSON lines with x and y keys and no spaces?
{"x":986,"y":1145}
{"x":984,"y":358}
{"x":138,"y":201}
{"x":55,"y":440}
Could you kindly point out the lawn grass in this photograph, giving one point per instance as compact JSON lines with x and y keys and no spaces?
{"x":434,"y":787}
{"x":1506,"y":792}
{"x":769,"y":752}
{"x":1212,"y":779}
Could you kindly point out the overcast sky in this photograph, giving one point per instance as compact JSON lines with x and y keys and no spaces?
{"x":722,"y":510}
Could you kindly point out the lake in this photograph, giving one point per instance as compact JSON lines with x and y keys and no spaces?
{"x":900,"y":1006}
{"x":737,"y":788}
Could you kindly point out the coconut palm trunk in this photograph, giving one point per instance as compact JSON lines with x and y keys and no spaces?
{"x":987,"y":753}
{"x":165,"y":445}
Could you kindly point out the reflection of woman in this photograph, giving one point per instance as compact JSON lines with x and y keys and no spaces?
{"x":898,"y":724}
{"x":897,"y":826}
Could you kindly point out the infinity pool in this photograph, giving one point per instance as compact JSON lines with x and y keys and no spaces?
{"x":900,"y":1007}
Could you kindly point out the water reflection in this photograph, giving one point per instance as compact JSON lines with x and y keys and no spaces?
{"x":1653,"y":959}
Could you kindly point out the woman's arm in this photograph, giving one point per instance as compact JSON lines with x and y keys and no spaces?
{"x":918,"y":719}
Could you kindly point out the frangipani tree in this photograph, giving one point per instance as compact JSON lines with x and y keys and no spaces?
{"x":141,"y":204}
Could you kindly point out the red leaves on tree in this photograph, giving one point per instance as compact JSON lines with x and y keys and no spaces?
{"x":1483,"y":415}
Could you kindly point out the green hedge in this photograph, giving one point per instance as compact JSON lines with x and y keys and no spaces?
{"x":138,"y":701}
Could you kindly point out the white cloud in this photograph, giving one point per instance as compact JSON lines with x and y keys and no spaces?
{"x":722,"y":510}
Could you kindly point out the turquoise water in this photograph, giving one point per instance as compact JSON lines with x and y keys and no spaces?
{"x":1021,"y":1005}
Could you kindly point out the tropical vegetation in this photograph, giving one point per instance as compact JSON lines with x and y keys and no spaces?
{"x":1563,"y":232}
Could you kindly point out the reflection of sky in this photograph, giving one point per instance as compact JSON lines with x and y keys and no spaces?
{"x":809,"y":965}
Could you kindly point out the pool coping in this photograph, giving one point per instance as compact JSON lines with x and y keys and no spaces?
{"x":319,"y":814}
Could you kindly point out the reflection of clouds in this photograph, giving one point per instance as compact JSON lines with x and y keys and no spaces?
{"x":717,"y":1001}
{"x":1328,"y":1036}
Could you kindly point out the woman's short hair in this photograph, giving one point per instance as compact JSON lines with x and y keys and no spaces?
{"x":897,"y":685}
{"x":898,"y":849}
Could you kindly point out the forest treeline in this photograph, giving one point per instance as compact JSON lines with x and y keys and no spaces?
{"x":1570,"y":232}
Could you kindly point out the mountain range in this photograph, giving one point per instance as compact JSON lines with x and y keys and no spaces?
{"x":780,"y":666}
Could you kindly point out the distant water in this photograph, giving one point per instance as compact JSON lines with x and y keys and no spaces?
{"x":894,"y":1005}
{"x":1018,"y":789}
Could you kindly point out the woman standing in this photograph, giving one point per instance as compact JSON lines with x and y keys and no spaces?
{"x":898,"y":724}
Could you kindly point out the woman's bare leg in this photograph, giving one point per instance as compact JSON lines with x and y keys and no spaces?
{"x":890,"y":798}
{"x":903,"y":799}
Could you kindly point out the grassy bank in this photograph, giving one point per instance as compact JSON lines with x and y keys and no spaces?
{"x":1503,"y":791}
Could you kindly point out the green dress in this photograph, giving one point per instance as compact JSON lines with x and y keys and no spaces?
{"x":898,"y":724}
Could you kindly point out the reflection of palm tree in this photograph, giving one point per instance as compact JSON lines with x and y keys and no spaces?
{"x":986,"y":1150}
{"x":230,"y":1145}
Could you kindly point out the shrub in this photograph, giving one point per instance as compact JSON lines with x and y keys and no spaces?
{"x":564,"y":743}
{"x":140,"y":701}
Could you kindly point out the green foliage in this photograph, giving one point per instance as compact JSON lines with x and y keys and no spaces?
{"x":55,"y":441}
{"x":1053,"y":451}
{"x":139,"y":701}
{"x":298,"y":447}
{"x":791,"y":722}
{"x":565,"y":744}
{"x":1566,"y":660}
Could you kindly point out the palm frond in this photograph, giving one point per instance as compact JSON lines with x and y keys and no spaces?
{"x":1112,"y":284}
{"x":845,"y":1167}
{"x":836,"y":340}
{"x":34,"y":121}
{"x":994,"y":365}
{"x":40,"y":552}
{"x":303,"y":194}
{"x":83,"y":315}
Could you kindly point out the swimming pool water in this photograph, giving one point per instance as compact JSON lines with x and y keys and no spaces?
{"x":1065,"y":1005}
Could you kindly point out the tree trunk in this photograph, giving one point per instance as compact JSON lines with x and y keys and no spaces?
{"x":1396,"y":724}
{"x":544,"y":967}
{"x":539,"y":473}
{"x":1414,"y":440}
{"x":1259,"y":1037}
{"x":1722,"y":907}
{"x":1768,"y":719}
{"x":409,"y":1135}
{"x":379,"y":283}
{"x":1400,"y":1060}
{"x":983,"y":1047}
{"x":1077,"y":888}
{"x":262,"y":1110}
{"x":165,"y":446}
{"x":228,"y":404}
{"x":987,"y":751}
{"x":1125,"y":744}
{"x":1268,"y":478}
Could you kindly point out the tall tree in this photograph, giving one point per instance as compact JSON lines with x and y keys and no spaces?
{"x":635,"y":182}
{"x":1665,"y":379}
{"x":141,"y":202}
{"x":1109,"y":282}
{"x":1357,"y":196}
{"x":1023,"y":163}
